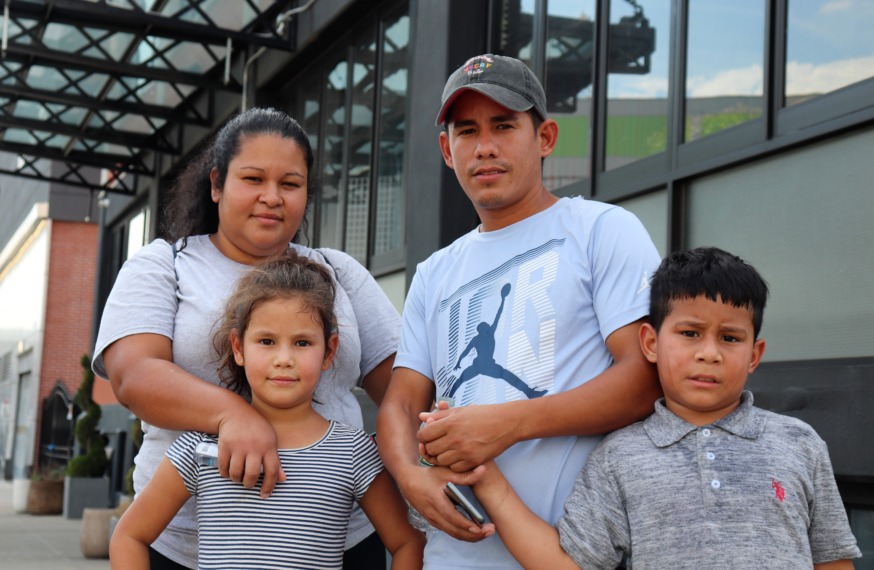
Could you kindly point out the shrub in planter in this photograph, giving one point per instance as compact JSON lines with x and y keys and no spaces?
{"x":85,"y":485}
{"x":93,"y":463}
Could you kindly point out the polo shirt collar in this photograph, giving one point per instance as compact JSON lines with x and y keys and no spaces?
{"x":665,"y":428}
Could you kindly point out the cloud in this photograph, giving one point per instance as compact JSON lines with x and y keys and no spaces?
{"x":801,"y":78}
{"x":837,"y":6}
{"x":740,"y":81}
{"x":808,"y":78}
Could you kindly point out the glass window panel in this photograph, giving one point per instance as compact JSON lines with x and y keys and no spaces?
{"x":637,"y":81}
{"x":803,"y":219}
{"x":42,"y":77}
{"x":31,"y":110}
{"x":517,"y":29}
{"x":333,"y":133}
{"x":360,"y":147}
{"x":569,"y":59}
{"x":307,"y":89}
{"x":724,"y":72}
{"x":389,"y":221}
{"x":829,"y":45}
{"x":190,"y":57}
{"x":652,"y":211}
{"x":136,"y":236}
{"x":64,"y":38}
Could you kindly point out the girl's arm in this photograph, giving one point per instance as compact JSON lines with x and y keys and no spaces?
{"x":149,"y":514}
{"x":387,"y":510}
{"x":531,"y":540}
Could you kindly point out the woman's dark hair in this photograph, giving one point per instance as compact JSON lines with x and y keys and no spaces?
{"x":189,"y":209}
{"x":288,"y":276}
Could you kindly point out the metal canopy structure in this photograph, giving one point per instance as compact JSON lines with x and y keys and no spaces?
{"x":89,"y":89}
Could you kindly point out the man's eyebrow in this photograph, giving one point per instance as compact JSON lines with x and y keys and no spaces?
{"x":506,"y":118}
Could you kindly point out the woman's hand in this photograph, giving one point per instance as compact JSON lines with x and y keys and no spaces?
{"x":247,"y":448}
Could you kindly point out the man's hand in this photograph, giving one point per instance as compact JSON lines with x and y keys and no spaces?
{"x":463,"y":438}
{"x":247,"y":443}
{"x":425,"y":492}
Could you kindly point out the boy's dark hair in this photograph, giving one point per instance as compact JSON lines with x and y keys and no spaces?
{"x":190,"y":210}
{"x":288,"y":276}
{"x":711,"y":272}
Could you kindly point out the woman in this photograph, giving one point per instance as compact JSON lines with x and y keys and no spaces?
{"x":243,"y":200}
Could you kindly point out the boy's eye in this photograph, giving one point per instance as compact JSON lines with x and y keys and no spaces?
{"x":729,"y":338}
{"x":690,"y":334}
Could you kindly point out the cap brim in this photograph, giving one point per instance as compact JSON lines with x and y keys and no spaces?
{"x":497,"y":93}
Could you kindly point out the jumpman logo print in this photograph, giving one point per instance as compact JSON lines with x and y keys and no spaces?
{"x":484,"y":361}
{"x":644,"y":283}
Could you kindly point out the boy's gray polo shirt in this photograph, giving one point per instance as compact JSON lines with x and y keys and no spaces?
{"x":753,"y":490}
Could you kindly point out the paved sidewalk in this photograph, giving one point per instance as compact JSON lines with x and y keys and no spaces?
{"x":39,"y":542}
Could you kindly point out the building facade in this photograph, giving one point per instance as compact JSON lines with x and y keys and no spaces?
{"x":746,"y":125}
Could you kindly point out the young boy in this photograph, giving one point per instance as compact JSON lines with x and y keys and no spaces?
{"x":707,"y":481}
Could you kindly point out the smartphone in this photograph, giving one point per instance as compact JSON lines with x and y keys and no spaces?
{"x":463,"y":504}
{"x":206,"y":453}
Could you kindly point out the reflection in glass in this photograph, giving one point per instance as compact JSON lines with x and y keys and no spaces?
{"x":637,"y":81}
{"x":360,"y":140}
{"x":829,"y":45}
{"x":724,"y":72}
{"x":330,"y":205}
{"x":570,"y":52}
{"x":308,"y":115}
{"x":389,"y":221}
{"x":517,"y":29}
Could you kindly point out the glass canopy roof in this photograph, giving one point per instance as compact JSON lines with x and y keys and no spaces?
{"x":89,"y":87}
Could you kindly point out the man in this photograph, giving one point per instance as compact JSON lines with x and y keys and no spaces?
{"x":567,"y":281}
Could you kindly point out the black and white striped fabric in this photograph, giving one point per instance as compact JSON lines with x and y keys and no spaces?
{"x":301,"y":525}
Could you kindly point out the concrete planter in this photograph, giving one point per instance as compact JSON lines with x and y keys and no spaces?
{"x":94,"y":532}
{"x":84,"y":492}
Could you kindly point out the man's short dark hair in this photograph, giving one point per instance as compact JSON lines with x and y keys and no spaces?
{"x":711,"y":272}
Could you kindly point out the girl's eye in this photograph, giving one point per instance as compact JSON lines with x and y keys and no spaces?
{"x":266,"y":342}
{"x":303,"y":343}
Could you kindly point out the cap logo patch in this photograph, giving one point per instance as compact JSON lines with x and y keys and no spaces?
{"x":476,"y":65}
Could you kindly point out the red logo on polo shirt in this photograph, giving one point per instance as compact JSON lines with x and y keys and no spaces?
{"x":779,"y":491}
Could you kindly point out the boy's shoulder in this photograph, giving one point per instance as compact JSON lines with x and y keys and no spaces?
{"x":788,"y":431}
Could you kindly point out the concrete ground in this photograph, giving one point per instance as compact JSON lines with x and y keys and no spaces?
{"x":40,"y":542}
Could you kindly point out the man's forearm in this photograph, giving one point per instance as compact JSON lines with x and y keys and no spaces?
{"x":617,"y":397}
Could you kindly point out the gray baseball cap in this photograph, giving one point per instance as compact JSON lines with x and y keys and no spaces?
{"x":505,"y":80}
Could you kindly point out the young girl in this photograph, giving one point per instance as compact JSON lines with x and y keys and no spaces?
{"x":278,"y":333}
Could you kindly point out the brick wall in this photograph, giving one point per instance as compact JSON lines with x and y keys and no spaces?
{"x":69,"y":303}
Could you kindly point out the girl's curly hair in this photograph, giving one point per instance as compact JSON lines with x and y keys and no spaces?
{"x":288,"y":276}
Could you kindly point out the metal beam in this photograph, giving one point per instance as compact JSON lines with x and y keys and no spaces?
{"x":110,"y":136}
{"x":31,"y":55}
{"x":61,"y":98}
{"x":106,"y":16}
